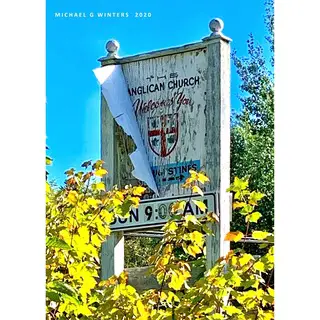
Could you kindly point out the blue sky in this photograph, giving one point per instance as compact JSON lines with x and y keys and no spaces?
{"x":73,"y":46}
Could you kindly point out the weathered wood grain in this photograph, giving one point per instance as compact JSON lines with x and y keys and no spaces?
{"x":217,"y":141}
{"x":112,"y":251}
{"x":191,"y":118}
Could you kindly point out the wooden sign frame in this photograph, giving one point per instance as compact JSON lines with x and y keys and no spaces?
{"x":217,"y":144}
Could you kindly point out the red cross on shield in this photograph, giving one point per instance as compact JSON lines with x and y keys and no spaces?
{"x":163,"y":133}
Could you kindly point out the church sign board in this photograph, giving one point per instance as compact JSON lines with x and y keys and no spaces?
{"x":181,"y":101}
{"x":168,"y":94}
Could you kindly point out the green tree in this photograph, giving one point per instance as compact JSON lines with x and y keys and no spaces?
{"x":137,"y":251}
{"x":252,"y":130}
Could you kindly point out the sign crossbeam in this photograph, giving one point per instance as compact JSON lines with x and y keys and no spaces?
{"x":153,"y":213}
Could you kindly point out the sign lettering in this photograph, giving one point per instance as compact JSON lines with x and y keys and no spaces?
{"x":156,"y":212}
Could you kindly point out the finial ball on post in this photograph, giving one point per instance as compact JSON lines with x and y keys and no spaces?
{"x":112,"y":48}
{"x":216,"y":26}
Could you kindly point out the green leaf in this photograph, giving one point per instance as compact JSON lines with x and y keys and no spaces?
{"x":53,"y":296}
{"x":240,"y":184}
{"x":247,"y":208}
{"x":255,"y":197}
{"x":62,"y":287}
{"x":54,"y":242}
{"x":69,"y":298}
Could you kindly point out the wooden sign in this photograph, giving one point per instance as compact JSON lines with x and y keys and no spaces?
{"x":181,"y":99}
{"x":168,"y":94}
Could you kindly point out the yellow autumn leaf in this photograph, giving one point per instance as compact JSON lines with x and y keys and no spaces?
{"x":188,"y":182}
{"x":142,"y":309}
{"x":107,"y":216}
{"x":72,"y":197}
{"x":193,"y":173}
{"x":197,"y":238}
{"x":191,"y":218}
{"x":259,"y":266}
{"x":196,"y":189}
{"x":231,"y":310}
{"x":202,"y":178}
{"x":100,"y":186}
{"x":179,"y":205}
{"x":177,"y":279}
{"x":217,"y":316}
{"x":93,"y":202}
{"x":245,"y":259}
{"x":271,"y":291}
{"x":100,"y":172}
{"x":135,"y":201}
{"x":229,"y":255}
{"x":163,"y":295}
{"x":168,"y":249}
{"x":101,"y":229}
{"x":119,"y":195}
{"x":116,"y":292}
{"x":84,"y":310}
{"x":193,"y":250}
{"x":234,"y":236}
{"x":172,"y":296}
{"x":253,"y":217}
{"x":84,"y":234}
{"x":237,"y":204}
{"x":116,"y":202}
{"x":95,"y":240}
{"x":138,"y":191}
{"x":259,"y":235}
{"x":200,"y":204}
{"x":211,"y":216}
{"x":172,"y":226}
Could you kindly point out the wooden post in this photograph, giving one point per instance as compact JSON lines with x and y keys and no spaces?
{"x":218,"y":119}
{"x":112,"y":251}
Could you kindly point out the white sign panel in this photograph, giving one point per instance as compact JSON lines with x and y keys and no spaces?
{"x":168,"y":94}
{"x":156,"y":212}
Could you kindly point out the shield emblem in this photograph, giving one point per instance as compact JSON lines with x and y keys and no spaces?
{"x":163,"y":133}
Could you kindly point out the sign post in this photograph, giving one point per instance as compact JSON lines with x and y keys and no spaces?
{"x":181,"y":101}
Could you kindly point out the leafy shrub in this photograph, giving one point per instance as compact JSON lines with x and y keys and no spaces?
{"x":77,"y":221}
